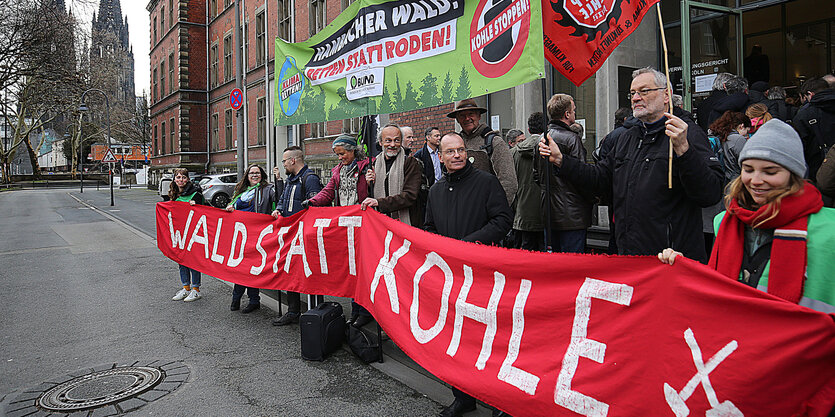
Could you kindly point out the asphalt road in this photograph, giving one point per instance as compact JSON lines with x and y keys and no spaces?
{"x":80,"y":289}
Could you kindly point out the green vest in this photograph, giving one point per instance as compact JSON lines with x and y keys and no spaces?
{"x":186,"y":197}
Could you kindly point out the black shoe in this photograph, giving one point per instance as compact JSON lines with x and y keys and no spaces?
{"x":361,"y":320}
{"x":250,"y":308}
{"x":457,"y":408}
{"x":287,"y":318}
{"x":236,"y":305}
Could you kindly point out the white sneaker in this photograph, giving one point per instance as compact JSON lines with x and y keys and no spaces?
{"x":180,"y":294}
{"x":193,"y":295}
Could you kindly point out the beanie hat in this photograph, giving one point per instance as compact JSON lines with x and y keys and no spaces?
{"x":344,"y":140}
{"x":777,"y":142}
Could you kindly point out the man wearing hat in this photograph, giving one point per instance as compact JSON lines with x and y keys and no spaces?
{"x":486,"y":149}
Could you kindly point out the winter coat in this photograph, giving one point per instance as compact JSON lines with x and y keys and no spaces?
{"x":815,"y":123}
{"x":264,"y":199}
{"x":706,"y":106}
{"x":295,"y":192}
{"x":732,"y":147}
{"x":407,"y":198}
{"x":192,"y":192}
{"x":737,"y":102}
{"x":819,"y":285}
{"x":648,"y":216}
{"x":826,"y":174}
{"x":609,"y":140}
{"x":528,"y":215}
{"x":424,"y":156}
{"x":468,"y":205}
{"x":500,"y":163}
{"x":330,"y":194}
{"x":779,"y":109}
{"x":570,"y":210}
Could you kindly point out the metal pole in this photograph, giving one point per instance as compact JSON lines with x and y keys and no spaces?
{"x":239,"y":121}
{"x":109,"y":145}
{"x":547,"y":171}
{"x":81,"y":148}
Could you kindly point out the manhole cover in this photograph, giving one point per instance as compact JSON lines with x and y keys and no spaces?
{"x":108,"y":389}
{"x":100,"y":388}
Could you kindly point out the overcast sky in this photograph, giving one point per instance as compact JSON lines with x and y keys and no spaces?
{"x":140,"y":37}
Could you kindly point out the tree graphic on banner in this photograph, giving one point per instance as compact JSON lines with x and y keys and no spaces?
{"x":317,"y":100}
{"x":397,"y":96}
{"x":428,"y":91}
{"x":446,"y":90}
{"x":410,"y":98}
{"x":463,"y":90}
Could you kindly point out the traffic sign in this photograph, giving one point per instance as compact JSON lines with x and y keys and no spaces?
{"x":236,"y":98}
{"x":108,"y":156}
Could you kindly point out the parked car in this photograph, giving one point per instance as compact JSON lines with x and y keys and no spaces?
{"x":218,"y":188}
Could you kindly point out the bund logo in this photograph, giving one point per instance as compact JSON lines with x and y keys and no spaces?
{"x":587,"y":17}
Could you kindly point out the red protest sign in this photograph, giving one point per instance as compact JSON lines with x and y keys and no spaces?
{"x":536,"y":333}
{"x":580,"y":34}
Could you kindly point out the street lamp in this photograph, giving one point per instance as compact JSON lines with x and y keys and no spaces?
{"x":83,"y":108}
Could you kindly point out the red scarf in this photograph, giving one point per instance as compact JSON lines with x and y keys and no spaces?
{"x":788,"y":248}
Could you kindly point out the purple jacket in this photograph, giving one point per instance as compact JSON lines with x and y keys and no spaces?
{"x":330,"y":193}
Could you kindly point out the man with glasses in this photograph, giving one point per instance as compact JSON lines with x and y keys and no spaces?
{"x":466,"y":204}
{"x":648,"y":216}
{"x":301,"y":184}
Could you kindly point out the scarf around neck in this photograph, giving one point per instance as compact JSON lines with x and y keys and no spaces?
{"x":788,"y":249}
{"x":395,"y":181}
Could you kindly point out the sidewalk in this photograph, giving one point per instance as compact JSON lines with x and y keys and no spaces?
{"x":134,"y":208}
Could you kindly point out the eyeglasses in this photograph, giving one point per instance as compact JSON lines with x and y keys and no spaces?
{"x":643,"y":93}
{"x":460,"y":151}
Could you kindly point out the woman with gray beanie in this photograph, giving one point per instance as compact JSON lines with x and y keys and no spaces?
{"x":775,"y":229}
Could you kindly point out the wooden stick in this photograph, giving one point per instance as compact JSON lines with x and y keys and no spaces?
{"x":669,"y":93}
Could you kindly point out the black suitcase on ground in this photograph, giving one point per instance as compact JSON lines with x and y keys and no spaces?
{"x":322,"y":331}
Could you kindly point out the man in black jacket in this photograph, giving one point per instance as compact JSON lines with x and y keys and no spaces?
{"x":466,"y":204}
{"x":815,"y":122}
{"x":428,"y":154}
{"x":648,"y":216}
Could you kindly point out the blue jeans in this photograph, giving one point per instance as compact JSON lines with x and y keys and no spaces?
{"x":253,"y":293}
{"x":569,"y":241}
{"x":189,"y":276}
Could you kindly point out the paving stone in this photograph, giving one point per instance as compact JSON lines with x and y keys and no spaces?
{"x":25,"y":411}
{"x":153,"y":395}
{"x":131,"y":404}
{"x":108,"y":410}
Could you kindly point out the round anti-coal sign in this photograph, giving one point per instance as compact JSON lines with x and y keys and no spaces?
{"x":498,"y":34}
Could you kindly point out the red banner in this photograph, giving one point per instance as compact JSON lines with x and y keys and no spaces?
{"x":534,"y":333}
{"x":580,"y":34}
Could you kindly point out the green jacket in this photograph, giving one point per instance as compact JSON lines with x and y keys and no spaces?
{"x":819,"y":288}
{"x":528,"y":196}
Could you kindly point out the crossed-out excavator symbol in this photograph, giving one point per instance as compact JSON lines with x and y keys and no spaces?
{"x":676,"y":399}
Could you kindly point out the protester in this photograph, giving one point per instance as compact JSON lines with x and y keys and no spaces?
{"x":255,"y":194}
{"x":396,"y":189}
{"x":777,"y":105}
{"x":775,"y":236}
{"x":348,"y":186}
{"x":737,"y":99}
{"x":826,"y":176}
{"x":408,"y":138}
{"x":527,"y":221}
{"x":634,"y":174}
{"x":467,"y":204}
{"x":428,"y":154}
{"x":756,"y":94}
{"x":757,"y":114}
{"x":717,"y":92}
{"x":815,"y":122}
{"x":623,"y":121}
{"x":570,"y":209}
{"x":182,"y":189}
{"x":301,"y":184}
{"x":488,"y":150}
{"x":513,"y":137}
{"x":732,"y":131}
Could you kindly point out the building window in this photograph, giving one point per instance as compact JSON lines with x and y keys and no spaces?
{"x":260,"y":38}
{"x":162,"y":78}
{"x":156,"y":85}
{"x":318,"y":16}
{"x":351,"y":125}
{"x":214,"y":65}
{"x":228,"y":120}
{"x":227,"y":58}
{"x":245,"y":47}
{"x":317,"y":130}
{"x":284,"y":14}
{"x":213,"y":8}
{"x":162,"y":20}
{"x":156,"y":142}
{"x":215,"y":142}
{"x":173,"y":135}
{"x":171,"y":71}
{"x":162,"y":142}
{"x":155,"y":31}
{"x":171,"y":11}
{"x":262,"y":120}
{"x":346,"y":3}
{"x":226,"y":3}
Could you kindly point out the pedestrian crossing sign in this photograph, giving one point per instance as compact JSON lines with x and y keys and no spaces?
{"x":108,"y":156}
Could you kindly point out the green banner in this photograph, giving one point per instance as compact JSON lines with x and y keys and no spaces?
{"x":381,"y":57}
